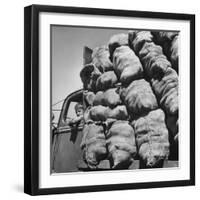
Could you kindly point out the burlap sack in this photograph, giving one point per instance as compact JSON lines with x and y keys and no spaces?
{"x":161,"y":37}
{"x":154,"y":61}
{"x":112,"y":98}
{"x":101,"y":59}
{"x":102,"y":114}
{"x":99,"y":98}
{"x":120,"y":140}
{"x":106,"y":80}
{"x":116,"y":41}
{"x":89,"y":75}
{"x":108,"y":98}
{"x":152,"y":138}
{"x":93,"y":145}
{"x":118,"y":113}
{"x":98,"y":113}
{"x":150,"y":47}
{"x":127,"y":65}
{"x":86,"y":116}
{"x":138,"y":38}
{"x":166,"y":89}
{"x":88,"y":98}
{"x":139,"y":98}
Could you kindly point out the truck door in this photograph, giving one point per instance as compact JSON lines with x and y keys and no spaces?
{"x":66,"y":151}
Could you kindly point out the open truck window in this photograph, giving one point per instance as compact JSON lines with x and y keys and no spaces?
{"x":68,"y":109}
{"x":71,"y":114}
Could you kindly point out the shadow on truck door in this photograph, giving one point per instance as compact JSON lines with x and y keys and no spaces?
{"x":65,"y":149}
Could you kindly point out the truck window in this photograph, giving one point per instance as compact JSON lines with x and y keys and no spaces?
{"x":68,"y":109}
{"x":71,"y":114}
{"x":74,"y":115}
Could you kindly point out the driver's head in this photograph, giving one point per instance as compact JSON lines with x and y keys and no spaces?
{"x":79,"y":109}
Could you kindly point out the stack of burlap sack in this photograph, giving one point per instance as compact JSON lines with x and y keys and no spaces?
{"x":127,"y":89}
{"x":146,"y":118}
{"x":160,"y":73}
{"x":105,"y":109}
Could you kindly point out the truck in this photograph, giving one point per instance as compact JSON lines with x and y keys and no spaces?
{"x":66,"y":153}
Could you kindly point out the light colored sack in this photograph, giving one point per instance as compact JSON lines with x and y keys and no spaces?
{"x":93,"y":145}
{"x":109,"y":98}
{"x":139,"y":98}
{"x":98,"y":113}
{"x":152,"y":138}
{"x":106,"y":80}
{"x":166,"y":89}
{"x":101,"y":58}
{"x":99,"y":99}
{"x":102,"y":114}
{"x":88,"y":98}
{"x":127,"y":65}
{"x":118,"y":113}
{"x":116,"y":41}
{"x":112,"y":98}
{"x":120,"y":140}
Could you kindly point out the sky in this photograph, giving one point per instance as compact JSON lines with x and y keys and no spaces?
{"x":67,"y":57}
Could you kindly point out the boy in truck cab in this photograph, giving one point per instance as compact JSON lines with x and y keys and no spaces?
{"x":79,"y":115}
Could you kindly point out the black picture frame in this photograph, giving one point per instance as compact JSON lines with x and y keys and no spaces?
{"x":31,"y":98}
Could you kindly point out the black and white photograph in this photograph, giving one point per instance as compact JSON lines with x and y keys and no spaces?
{"x":114,"y":99}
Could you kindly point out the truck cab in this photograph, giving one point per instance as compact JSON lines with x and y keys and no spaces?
{"x":66,"y":154}
{"x":66,"y":151}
